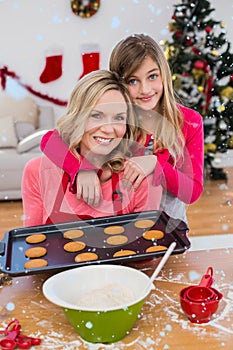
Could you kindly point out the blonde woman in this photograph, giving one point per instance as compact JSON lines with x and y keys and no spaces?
{"x":172,"y":133}
{"x":98,"y":126}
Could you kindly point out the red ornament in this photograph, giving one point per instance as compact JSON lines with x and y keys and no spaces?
{"x":231,"y":78}
{"x":199,"y":65}
{"x":208,"y":91}
{"x":178,"y":34}
{"x":189,"y":42}
{"x":208,"y":29}
{"x":196,"y":51}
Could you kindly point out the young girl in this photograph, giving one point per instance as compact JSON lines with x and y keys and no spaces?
{"x":174,"y":134}
{"x":99,"y":125}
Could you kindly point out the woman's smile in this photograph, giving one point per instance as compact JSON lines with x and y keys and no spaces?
{"x":102,"y":140}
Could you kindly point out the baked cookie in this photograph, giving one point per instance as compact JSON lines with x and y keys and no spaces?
{"x":155,"y":248}
{"x":152,"y":235}
{"x":144,"y":223}
{"x":114,"y":230}
{"x":117,"y":240}
{"x":73,"y":234}
{"x":36,"y":238}
{"x":87,"y":256}
{"x":35,"y":252}
{"x":35,"y":263}
{"x":73,"y":247}
{"x":124,"y":252}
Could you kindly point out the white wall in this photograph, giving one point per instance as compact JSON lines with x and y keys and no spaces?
{"x":30,"y":28}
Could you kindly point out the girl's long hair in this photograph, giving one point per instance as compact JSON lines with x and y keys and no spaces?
{"x":125,"y":59}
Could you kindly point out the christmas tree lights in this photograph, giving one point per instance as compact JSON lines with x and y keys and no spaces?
{"x":202,"y":68}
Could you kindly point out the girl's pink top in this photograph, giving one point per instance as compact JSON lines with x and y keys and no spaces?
{"x":185,"y":181}
{"x":40,"y":184}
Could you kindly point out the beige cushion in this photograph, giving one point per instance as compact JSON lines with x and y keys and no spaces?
{"x":24,"y":110}
{"x":23,"y":129}
{"x":46,"y":117}
{"x":7,"y":132}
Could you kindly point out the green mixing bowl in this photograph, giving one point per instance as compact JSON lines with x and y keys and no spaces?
{"x":98,"y":323}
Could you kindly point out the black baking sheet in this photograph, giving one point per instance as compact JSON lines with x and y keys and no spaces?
{"x":13,"y":246}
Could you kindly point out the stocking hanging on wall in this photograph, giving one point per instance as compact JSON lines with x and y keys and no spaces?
{"x":53,"y":68}
{"x":90,"y":58}
{"x":85,"y":8}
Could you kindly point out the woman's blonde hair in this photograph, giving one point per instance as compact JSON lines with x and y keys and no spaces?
{"x":83,"y":98}
{"x":126,"y":57}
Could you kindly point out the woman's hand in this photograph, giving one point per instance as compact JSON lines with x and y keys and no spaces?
{"x":137,"y":168}
{"x":88,"y":187}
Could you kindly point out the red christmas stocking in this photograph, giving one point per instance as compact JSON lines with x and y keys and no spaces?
{"x":90,"y":58}
{"x":52,"y":69}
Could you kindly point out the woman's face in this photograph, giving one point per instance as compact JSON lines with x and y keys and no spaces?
{"x":145,"y":85}
{"x":106,"y":124}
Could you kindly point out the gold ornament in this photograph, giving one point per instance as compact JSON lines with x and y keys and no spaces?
{"x":172,"y":49}
{"x":197,"y":73}
{"x":212,"y":147}
{"x":172,"y":26}
{"x":230,"y":142}
{"x":227,"y":92}
{"x":223,"y":25}
{"x":221,"y":108}
{"x":177,"y":82}
{"x":163,"y":42}
{"x":214,"y":52}
{"x":209,"y":147}
{"x":166,"y":53}
{"x":95,"y":6}
{"x":170,"y":52}
{"x":200,"y":88}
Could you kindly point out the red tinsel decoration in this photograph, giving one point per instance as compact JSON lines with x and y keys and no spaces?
{"x":4,"y":73}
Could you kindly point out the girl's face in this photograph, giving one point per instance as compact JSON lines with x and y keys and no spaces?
{"x":106,"y":124}
{"x":145,"y":85}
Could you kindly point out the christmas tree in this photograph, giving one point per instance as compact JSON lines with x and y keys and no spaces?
{"x":202,"y":66}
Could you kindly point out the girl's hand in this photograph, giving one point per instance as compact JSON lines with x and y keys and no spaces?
{"x":88,"y":187}
{"x":137,"y":168}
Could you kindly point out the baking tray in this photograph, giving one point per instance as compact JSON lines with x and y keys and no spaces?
{"x":13,"y":245}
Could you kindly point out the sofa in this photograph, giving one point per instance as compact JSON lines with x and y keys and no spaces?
{"x":22,"y":124}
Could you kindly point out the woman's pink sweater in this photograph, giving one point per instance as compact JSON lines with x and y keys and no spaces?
{"x":40,"y":184}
